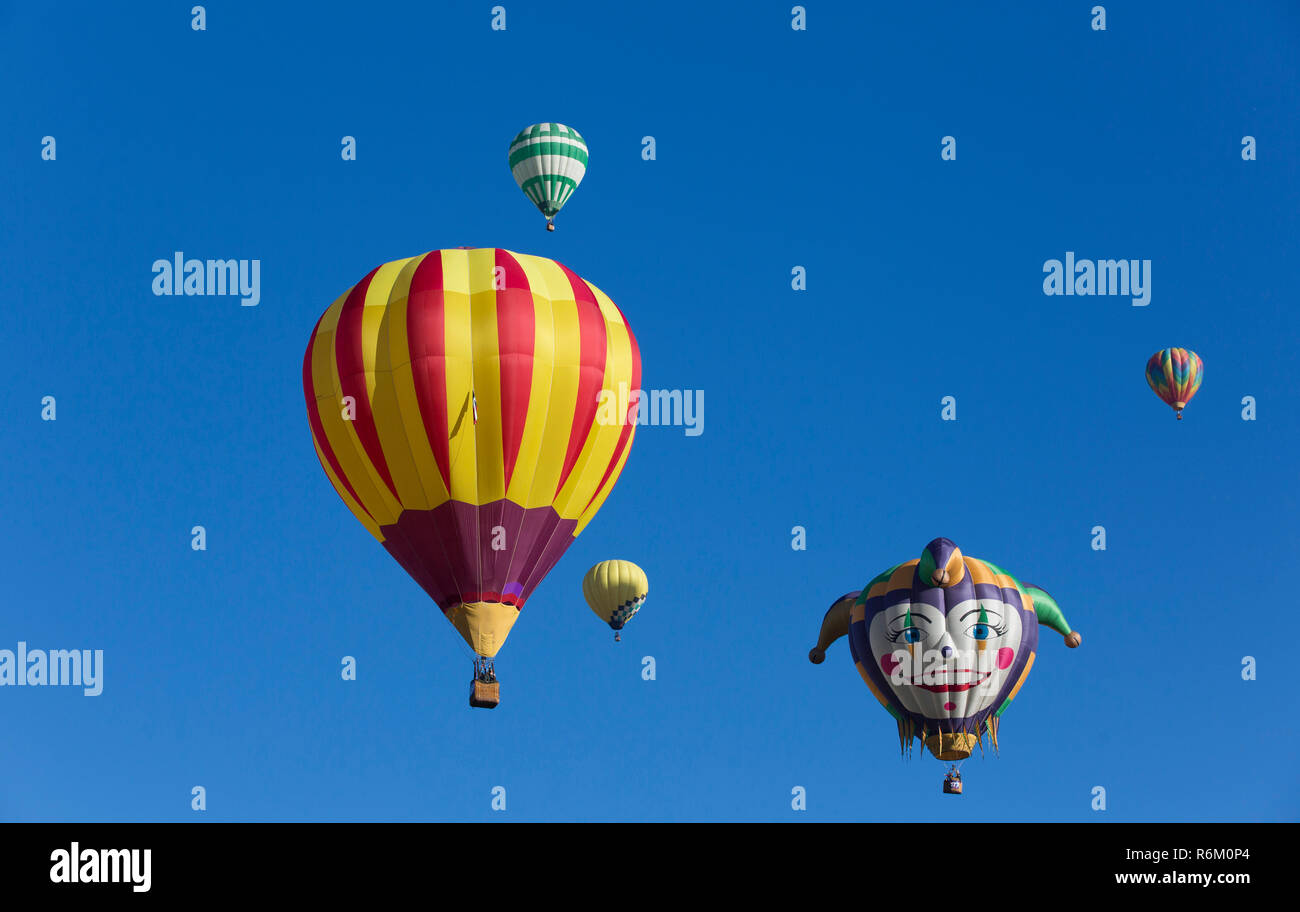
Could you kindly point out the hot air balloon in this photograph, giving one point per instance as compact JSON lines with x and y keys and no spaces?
{"x":945,"y":643}
{"x":468,"y":407}
{"x":1174,"y":374}
{"x":548,"y":161}
{"x":615,"y":590}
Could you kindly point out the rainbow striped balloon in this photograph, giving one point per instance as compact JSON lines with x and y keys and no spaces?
{"x":461,"y":405}
{"x":1174,"y":374}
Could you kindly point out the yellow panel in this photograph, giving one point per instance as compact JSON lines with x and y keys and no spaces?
{"x":455,"y":270}
{"x":419,"y":460}
{"x":607,"y":308}
{"x":1024,"y":675}
{"x":566,"y":355}
{"x":539,"y":273}
{"x":956,"y":568}
{"x":397,"y":410}
{"x":979,"y":571}
{"x":484,"y":625}
{"x":373,"y":313}
{"x":460,"y":377}
{"x":491,"y":484}
{"x":902,"y":576}
{"x":340,"y":433}
{"x":598,"y":448}
{"x":596,"y":504}
{"x":871,"y":685}
{"x":362,"y":516}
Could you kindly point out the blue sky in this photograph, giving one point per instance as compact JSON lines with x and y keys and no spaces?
{"x":775,"y":149}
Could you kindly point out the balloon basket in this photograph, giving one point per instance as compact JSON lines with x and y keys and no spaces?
{"x":483,"y":695}
{"x":952,"y":786}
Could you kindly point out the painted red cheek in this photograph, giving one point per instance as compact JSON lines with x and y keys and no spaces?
{"x":888,"y":664}
{"x":950,"y":706}
{"x":1006,"y":655}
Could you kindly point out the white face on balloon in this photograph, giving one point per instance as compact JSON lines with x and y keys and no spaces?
{"x":946,"y":666}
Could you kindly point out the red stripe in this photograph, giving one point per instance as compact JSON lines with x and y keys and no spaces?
{"x":426,"y":332}
{"x":349,"y":355}
{"x":630,"y":419}
{"x":591,"y":375}
{"x":516,"y":338}
{"x":317,"y":428}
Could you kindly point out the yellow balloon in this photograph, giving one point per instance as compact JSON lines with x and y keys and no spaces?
{"x":615,"y":590}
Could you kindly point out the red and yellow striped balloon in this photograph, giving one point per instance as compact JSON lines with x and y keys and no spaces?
{"x":460,"y":403}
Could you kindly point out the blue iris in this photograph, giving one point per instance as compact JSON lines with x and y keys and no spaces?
{"x":981,"y":632}
{"x":912,"y":635}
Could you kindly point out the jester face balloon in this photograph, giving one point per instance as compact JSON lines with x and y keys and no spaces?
{"x":455,"y":404}
{"x":945,"y":643}
{"x":949,"y":652}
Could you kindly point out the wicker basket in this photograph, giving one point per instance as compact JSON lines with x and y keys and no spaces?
{"x":484,"y":695}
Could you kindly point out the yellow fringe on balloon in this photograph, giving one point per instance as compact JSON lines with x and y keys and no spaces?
{"x":961,"y":739}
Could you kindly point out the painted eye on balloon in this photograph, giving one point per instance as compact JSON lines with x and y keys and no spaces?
{"x":985,"y":631}
{"x":907,"y":635}
{"x":985,"y":623}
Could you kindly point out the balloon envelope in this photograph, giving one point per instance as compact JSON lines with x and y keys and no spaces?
{"x":1174,"y":374}
{"x":548,"y":161}
{"x":615,"y":590}
{"x":945,"y":642}
{"x":462,"y":405}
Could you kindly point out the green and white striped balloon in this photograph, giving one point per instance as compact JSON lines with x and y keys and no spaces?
{"x":548,"y":161}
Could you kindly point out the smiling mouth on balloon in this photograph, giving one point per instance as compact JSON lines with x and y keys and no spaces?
{"x":952,"y":688}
